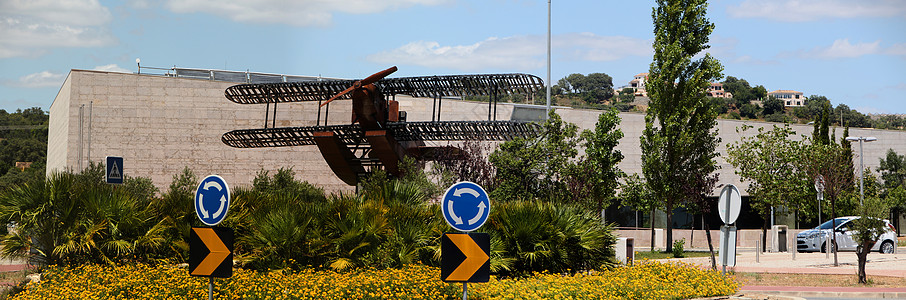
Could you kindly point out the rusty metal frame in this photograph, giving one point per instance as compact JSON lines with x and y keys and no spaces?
{"x":426,"y":86}
{"x":402,"y":131}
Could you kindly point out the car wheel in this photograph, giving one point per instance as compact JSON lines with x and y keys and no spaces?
{"x":824,"y":248}
{"x":887,"y":247}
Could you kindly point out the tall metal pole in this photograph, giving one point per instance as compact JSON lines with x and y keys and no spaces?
{"x":548,"y":112}
{"x":210,"y":288}
{"x":861,"y":173}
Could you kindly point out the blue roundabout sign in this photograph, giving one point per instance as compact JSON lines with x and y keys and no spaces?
{"x":466,"y":206}
{"x":212,"y":200}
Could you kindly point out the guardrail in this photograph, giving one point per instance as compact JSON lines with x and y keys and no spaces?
{"x":228,"y":76}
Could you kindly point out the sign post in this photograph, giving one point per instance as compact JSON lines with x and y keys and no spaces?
{"x":114,"y":174}
{"x":819,"y":187}
{"x":728,"y":206}
{"x":465,"y":256}
{"x":211,"y":248}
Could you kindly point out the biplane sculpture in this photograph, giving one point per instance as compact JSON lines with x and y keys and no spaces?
{"x":378,"y":135}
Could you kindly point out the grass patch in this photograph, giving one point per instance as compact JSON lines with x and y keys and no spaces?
{"x":640,"y":255}
{"x":645,"y":280}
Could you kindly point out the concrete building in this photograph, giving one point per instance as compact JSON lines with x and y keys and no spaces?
{"x":161,"y":124}
{"x":716,"y":90}
{"x":638,"y":84}
{"x":789,"y":97}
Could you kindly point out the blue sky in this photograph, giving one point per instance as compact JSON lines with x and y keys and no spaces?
{"x":853,"y":52}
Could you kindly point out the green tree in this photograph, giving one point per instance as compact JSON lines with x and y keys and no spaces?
{"x":635,"y":193}
{"x":23,"y":138}
{"x":749,"y":110}
{"x":867,"y":230}
{"x":759,"y":92}
{"x":769,"y":161}
{"x":821,"y":131}
{"x":682,"y":143}
{"x":830,"y":161}
{"x":627,"y":95}
{"x":772,"y":106}
{"x":467,"y":162}
{"x":593,"y":88}
{"x":893,"y":169}
{"x":742,"y":92}
{"x":533,"y":168}
{"x":601,"y":159}
{"x":893,"y":173}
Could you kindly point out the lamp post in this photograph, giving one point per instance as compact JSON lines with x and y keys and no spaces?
{"x":861,"y":139}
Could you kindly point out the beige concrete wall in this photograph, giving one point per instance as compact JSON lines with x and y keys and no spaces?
{"x":161,"y":125}
{"x":58,"y":129}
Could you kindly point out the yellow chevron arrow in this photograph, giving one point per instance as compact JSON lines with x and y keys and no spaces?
{"x":219,"y":252}
{"x":475,"y":257}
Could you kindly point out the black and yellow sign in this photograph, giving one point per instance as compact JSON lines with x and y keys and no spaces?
{"x":465,"y":257}
{"x":211,"y":252}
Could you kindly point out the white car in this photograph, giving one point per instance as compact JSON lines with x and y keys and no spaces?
{"x":815,"y":239}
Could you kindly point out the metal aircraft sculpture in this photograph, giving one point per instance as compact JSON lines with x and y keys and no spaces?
{"x":378,"y":135}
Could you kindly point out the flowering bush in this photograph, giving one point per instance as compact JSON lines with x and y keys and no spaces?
{"x":646,"y":280}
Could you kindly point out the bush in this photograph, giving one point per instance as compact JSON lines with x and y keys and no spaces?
{"x":73,"y":219}
{"x":678,"y":248}
{"x":536,"y":236}
{"x":734,"y":115}
{"x":645,"y":280}
{"x":387,"y":225}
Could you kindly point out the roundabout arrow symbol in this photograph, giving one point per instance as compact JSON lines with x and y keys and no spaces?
{"x":204,"y":213}
{"x":222,"y":205}
{"x":456,"y":219}
{"x":478,"y":216}
{"x":469,"y":191}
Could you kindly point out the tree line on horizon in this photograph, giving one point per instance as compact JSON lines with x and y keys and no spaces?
{"x":596,"y":90}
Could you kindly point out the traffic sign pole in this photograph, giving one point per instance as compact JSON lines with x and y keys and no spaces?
{"x":466,"y":207}
{"x":210,"y":288}
{"x":729,"y":205}
{"x":218,"y":241}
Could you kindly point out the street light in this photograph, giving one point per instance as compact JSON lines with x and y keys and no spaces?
{"x":861,"y":162}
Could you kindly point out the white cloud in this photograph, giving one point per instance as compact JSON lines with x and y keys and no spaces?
{"x":517,"y":52}
{"x":296,"y":13}
{"x":37,"y":80}
{"x":31,"y":28}
{"x":842,"y":48}
{"x":810,"y":10}
{"x":897,"y":49}
{"x":112,"y":68}
{"x":588,"y":46}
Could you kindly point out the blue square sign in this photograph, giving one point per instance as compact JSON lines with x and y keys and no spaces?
{"x":114,"y":170}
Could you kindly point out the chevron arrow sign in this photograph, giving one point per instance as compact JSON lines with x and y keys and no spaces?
{"x":211,"y":252}
{"x":465,"y":257}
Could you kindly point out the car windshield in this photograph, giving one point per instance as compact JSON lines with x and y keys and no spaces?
{"x":827,"y":225}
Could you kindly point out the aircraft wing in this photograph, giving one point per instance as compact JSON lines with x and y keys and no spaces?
{"x":422,"y":86}
{"x":463,"y":130}
{"x":290,"y":136}
{"x":402,"y":131}
{"x":255,"y":93}
{"x":461,"y":85}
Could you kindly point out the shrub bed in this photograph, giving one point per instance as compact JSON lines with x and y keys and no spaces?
{"x":646,"y":280}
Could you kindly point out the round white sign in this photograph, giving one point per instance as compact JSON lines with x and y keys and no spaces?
{"x":729,"y":204}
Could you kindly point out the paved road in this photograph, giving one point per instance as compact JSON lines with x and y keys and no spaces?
{"x":817,"y":263}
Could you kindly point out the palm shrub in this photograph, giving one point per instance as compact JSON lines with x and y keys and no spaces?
{"x":71,"y":219}
{"x":277,"y":222}
{"x":535,"y":236}
{"x":414,"y":228}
